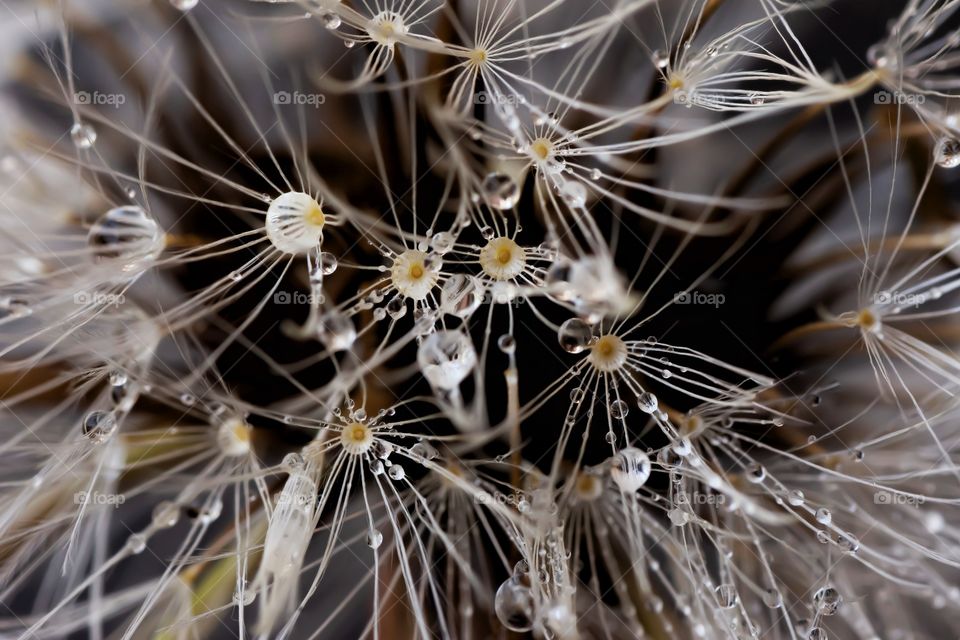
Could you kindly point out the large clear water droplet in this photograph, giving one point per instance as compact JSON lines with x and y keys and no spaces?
{"x":461,"y":295}
{"x":827,"y":600}
{"x":575,"y":335}
{"x":726,"y":596}
{"x":374,"y":538}
{"x":500,"y":191}
{"x":630,"y":469}
{"x":947,"y":153}
{"x":574,"y":193}
{"x":442,"y":242}
{"x":648,"y":402}
{"x":98,"y":426}
{"x":127,"y":236}
{"x":514,"y":606}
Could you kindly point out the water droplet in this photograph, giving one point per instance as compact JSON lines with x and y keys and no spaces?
{"x":331,"y":21}
{"x":823,"y":516}
{"x":396,"y":472}
{"x":848,"y":543}
{"x":294,"y":223}
{"x":575,"y":335}
{"x":678,"y":517}
{"x":424,"y":451}
{"x":184,"y":5}
{"x":500,"y":191}
{"x":507,"y":343}
{"x":374,"y":538}
{"x":328,"y":263}
{"x":647,"y":402}
{"x":461,"y":295}
{"x":726,"y":596}
{"x":661,"y":58}
{"x":136,"y":543}
{"x":83,"y":135}
{"x":446,"y":358}
{"x":294,"y":462}
{"x":827,"y":600}
{"x":514,"y":605}
{"x":619,"y":409}
{"x":756,"y":473}
{"x":795,"y":498}
{"x":442,"y":242}
{"x":126,"y":235}
{"x":772,"y":598}
{"x":947,"y":153}
{"x":98,"y":426}
{"x":397,"y":308}
{"x":165,"y":514}
{"x":574,"y":193}
{"x":630,"y":469}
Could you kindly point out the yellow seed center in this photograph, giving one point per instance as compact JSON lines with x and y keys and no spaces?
{"x":606,"y":346}
{"x":416,"y":272}
{"x":357,"y":432}
{"x":314,"y":215}
{"x":541,"y":148}
{"x":504,"y":256}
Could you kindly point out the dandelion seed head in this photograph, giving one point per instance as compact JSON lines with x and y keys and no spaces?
{"x":234,"y":436}
{"x":356,"y":438}
{"x":386,"y":27}
{"x":588,"y":486}
{"x":502,"y":258}
{"x":541,"y":150}
{"x":412,"y":276}
{"x":477,"y":57}
{"x":608,"y":353}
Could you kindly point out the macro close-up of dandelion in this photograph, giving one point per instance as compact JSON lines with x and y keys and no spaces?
{"x":480,"y":319}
